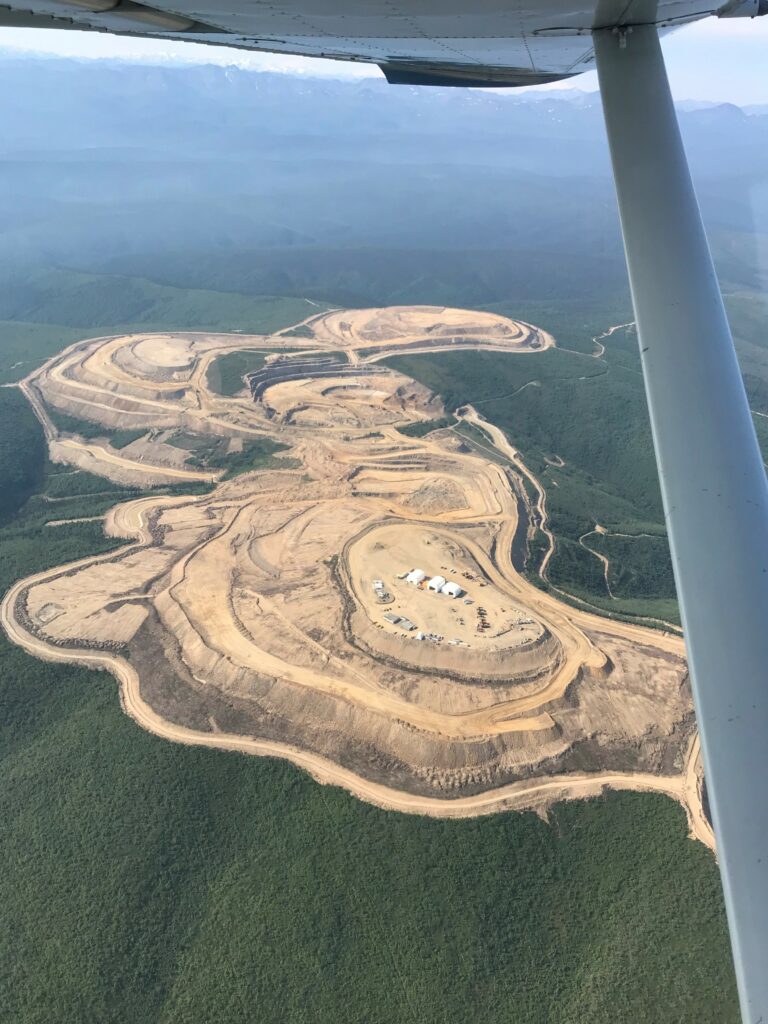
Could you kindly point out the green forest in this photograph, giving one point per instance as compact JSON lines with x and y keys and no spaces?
{"x":22,"y":452}
{"x":424,"y":427}
{"x":210,"y":452}
{"x":258,"y":454}
{"x":225,"y":373}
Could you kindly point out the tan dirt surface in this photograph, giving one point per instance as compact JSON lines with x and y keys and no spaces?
{"x":273,"y":616}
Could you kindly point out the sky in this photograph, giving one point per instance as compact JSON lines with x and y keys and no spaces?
{"x":718,"y":60}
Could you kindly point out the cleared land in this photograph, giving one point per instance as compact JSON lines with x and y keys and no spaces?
{"x":272,"y":615}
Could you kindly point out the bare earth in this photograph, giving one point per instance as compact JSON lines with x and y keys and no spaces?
{"x":272,"y":615}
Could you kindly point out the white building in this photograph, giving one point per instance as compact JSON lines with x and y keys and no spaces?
{"x":436,"y":583}
{"x":452,"y":589}
{"x":415,"y":576}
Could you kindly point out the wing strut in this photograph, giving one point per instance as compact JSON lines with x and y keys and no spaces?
{"x":713,"y":480}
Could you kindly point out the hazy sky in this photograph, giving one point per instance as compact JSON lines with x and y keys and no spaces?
{"x":720,"y":60}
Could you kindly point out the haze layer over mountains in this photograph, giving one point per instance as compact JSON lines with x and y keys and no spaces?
{"x":353,"y":192}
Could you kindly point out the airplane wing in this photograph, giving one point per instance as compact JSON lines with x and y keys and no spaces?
{"x":441,"y":42}
{"x":712,"y":475}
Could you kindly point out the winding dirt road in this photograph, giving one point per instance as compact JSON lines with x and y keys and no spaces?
{"x":515,"y":796}
{"x":501,"y":444}
{"x":602,"y":559}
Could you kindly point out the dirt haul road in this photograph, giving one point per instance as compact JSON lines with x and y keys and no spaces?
{"x":536,"y":794}
{"x":252,"y":614}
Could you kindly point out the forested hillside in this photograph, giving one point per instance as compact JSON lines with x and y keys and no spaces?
{"x":22,"y":452}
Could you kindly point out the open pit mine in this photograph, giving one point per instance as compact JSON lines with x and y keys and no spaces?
{"x":355,"y":606}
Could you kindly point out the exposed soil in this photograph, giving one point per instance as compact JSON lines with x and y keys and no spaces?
{"x":274,"y":614}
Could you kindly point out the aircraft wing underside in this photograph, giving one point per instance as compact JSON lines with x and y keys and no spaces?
{"x":482,"y":42}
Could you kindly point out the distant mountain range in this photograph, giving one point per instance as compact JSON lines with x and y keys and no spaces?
{"x":51,"y":103}
{"x":350,"y":190}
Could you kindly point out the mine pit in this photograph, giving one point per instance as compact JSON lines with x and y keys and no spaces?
{"x":349,"y":602}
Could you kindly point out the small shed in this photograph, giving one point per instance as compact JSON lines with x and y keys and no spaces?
{"x":415,"y":576}
{"x":437,"y":583}
{"x":391,"y":617}
{"x":452,"y":589}
{"x":407,"y":624}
